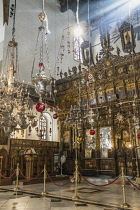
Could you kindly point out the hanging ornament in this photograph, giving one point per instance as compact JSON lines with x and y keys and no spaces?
{"x":57,"y":71}
{"x":41,"y":80}
{"x":79,"y":139}
{"x":138,"y":136}
{"x":50,"y":130}
{"x":41,"y":65}
{"x":62,"y":48}
{"x":91,"y":106}
{"x":68,"y":46}
{"x":90,"y":76}
{"x":55,"y":91}
{"x":92,"y":132}
{"x":55,"y":116}
{"x":40,"y":107}
{"x":79,"y":67}
{"x":68,"y":34}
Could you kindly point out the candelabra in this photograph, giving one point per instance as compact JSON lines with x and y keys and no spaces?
{"x":14,"y":97}
{"x":41,"y":81}
{"x":136,"y":123}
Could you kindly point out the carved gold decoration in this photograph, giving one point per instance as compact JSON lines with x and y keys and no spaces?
{"x":88,"y":153}
{"x":42,"y":16}
{"x":80,"y":139}
{"x":120,"y":70}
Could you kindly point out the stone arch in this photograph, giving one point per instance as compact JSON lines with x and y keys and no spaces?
{"x":52,"y":127}
{"x":49,"y":124}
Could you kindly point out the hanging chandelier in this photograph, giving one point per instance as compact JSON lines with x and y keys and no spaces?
{"x":14,"y":97}
{"x":82,"y":115}
{"x":41,"y":81}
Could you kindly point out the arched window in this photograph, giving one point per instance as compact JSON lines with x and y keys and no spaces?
{"x":48,"y":128}
{"x":76,"y":47}
{"x":42,"y":127}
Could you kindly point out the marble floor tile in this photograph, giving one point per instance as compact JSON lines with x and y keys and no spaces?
{"x":98,"y":198}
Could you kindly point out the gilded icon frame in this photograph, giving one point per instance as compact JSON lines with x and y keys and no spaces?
{"x":127,"y":37}
{"x":86,"y":50}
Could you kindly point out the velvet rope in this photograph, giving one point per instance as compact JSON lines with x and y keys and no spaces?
{"x":58,"y":184}
{"x":132,"y":183}
{"x":8,"y":176}
{"x":96,"y":184}
{"x":31,"y":178}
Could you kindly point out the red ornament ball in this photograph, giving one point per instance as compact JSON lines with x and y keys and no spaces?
{"x":138,"y":136}
{"x":40,"y":143}
{"x":91,"y":106}
{"x":41,"y":65}
{"x":40,"y":107}
{"x":55,"y":116}
{"x":92,"y":132}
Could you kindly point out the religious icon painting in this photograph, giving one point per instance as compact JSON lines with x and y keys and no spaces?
{"x":86,"y":53}
{"x":127,"y":37}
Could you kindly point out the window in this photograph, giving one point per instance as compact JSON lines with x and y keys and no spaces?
{"x":42,"y":126}
{"x":77,"y":54}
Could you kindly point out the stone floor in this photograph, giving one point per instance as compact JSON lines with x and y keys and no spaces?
{"x":91,"y":197}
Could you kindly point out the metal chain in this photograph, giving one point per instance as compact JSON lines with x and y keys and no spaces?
{"x":47,"y":53}
{"x":41,"y":48}
{"x":6,"y":61}
{"x":43,"y":5}
{"x":13,"y":29}
{"x":77,"y":12}
{"x":89,"y":35}
{"x":55,"y":43}
{"x":35,"y":54}
{"x":17,"y":64}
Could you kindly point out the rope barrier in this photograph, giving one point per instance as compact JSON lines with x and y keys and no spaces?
{"x":58,"y":184}
{"x":8,"y":176}
{"x":99,"y":185}
{"x":31,"y":178}
{"x":132,"y":183}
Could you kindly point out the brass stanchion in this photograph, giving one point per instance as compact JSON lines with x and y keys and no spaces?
{"x":0,"y":176}
{"x":1,"y":157}
{"x":137,"y":166}
{"x":124,"y":205}
{"x":76,"y":174}
{"x":45,"y":176}
{"x":17,"y":176}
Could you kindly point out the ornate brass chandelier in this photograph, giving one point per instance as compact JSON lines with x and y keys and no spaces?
{"x":14,"y":97}
{"x":41,"y":81}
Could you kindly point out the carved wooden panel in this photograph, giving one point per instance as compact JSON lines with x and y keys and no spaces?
{"x":107,"y":166}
